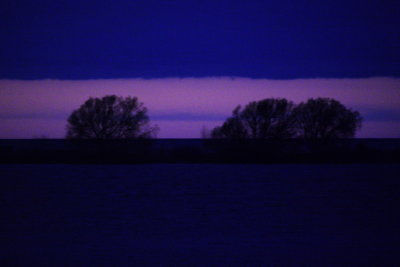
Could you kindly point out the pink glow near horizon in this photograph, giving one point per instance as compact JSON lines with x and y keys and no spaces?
{"x":41,"y":107}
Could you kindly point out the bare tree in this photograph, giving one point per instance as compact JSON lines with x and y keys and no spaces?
{"x":205,"y":132}
{"x":110,"y":117}
{"x":326,"y":118}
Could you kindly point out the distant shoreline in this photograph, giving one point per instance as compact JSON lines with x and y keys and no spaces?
{"x":199,"y":151}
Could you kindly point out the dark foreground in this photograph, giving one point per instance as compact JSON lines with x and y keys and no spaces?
{"x":200,"y":215}
{"x":211,"y":151}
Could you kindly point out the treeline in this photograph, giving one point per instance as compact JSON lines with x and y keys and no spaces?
{"x":321,"y":118}
{"x":113,"y":117}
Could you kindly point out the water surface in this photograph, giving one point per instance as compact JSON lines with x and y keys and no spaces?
{"x":201,"y":215}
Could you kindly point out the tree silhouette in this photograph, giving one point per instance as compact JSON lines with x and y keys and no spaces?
{"x":326,"y":118}
{"x":110,"y":117}
{"x":269,"y":118}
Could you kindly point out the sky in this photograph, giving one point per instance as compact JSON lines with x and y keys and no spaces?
{"x":191,"y":62}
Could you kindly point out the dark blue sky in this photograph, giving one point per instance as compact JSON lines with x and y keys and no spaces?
{"x":148,"y":38}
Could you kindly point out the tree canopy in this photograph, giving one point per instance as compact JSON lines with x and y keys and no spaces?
{"x":268,"y":118}
{"x":326,"y":118}
{"x":110,"y":117}
{"x":321,"y":118}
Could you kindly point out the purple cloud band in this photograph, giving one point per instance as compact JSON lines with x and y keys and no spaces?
{"x":181,"y":107}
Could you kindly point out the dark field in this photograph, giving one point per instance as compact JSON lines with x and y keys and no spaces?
{"x":200,"y":215}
